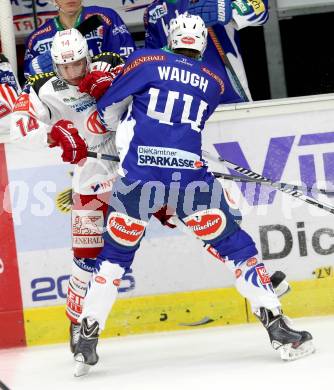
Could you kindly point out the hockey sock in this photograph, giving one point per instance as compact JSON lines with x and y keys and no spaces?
{"x":102,"y":292}
{"x":82,"y":270}
{"x":253,"y":282}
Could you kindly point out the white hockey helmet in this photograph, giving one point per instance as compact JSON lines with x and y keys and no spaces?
{"x":69,"y":46}
{"x":70,"y":56}
{"x":187,"y":32}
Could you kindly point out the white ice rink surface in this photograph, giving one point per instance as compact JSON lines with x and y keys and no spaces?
{"x":230,"y":357}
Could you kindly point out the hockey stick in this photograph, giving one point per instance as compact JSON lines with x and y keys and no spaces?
{"x":286,"y":189}
{"x":227,"y":63}
{"x":235,"y":178}
{"x":294,"y":187}
{"x":3,"y":386}
{"x":101,"y":156}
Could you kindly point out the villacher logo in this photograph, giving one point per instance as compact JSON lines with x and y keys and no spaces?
{"x":124,"y":229}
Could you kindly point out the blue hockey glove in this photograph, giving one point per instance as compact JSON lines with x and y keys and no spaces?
{"x":41,"y":64}
{"x":211,"y":11}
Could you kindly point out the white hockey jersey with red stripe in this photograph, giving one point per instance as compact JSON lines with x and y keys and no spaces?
{"x":45,"y":100}
{"x":9,"y":90}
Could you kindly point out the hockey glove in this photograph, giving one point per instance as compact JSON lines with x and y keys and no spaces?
{"x":96,"y":83}
{"x":164,"y":218}
{"x":41,"y":64}
{"x":249,"y":13}
{"x":66,"y":136}
{"x":99,"y":79}
{"x":211,"y":11}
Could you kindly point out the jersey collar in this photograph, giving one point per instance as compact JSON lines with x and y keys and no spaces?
{"x":60,"y":27}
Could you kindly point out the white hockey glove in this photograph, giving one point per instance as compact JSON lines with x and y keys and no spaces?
{"x":249,"y":13}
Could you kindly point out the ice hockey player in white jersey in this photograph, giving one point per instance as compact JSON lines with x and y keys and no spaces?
{"x":52,"y":109}
{"x":163,"y":99}
{"x":9,"y":90}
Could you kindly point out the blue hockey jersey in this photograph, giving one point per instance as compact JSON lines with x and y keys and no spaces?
{"x":116,"y":37}
{"x":164,"y":100}
{"x":158,"y":15}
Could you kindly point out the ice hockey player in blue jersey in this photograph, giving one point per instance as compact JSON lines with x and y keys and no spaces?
{"x":225,"y":18}
{"x":159,"y":106}
{"x":112,"y":37}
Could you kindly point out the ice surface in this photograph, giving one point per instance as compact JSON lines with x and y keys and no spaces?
{"x":230,"y":357}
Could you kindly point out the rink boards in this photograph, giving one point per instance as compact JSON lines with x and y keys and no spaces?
{"x":174,"y":283}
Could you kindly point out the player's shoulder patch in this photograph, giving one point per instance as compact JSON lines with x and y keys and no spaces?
{"x":215,"y":76}
{"x":45,"y":28}
{"x":109,"y":57}
{"x":38,"y":80}
{"x":140,"y":57}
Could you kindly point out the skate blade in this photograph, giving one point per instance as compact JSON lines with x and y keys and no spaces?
{"x":288,"y":353}
{"x":80,"y":368}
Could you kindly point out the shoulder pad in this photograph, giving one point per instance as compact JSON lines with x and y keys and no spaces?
{"x":3,"y":58}
{"x":38,"y":80}
{"x":111,"y":58}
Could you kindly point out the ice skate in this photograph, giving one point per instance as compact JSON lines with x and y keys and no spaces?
{"x":85,"y":351}
{"x":291,"y":344}
{"x":74,"y":335}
